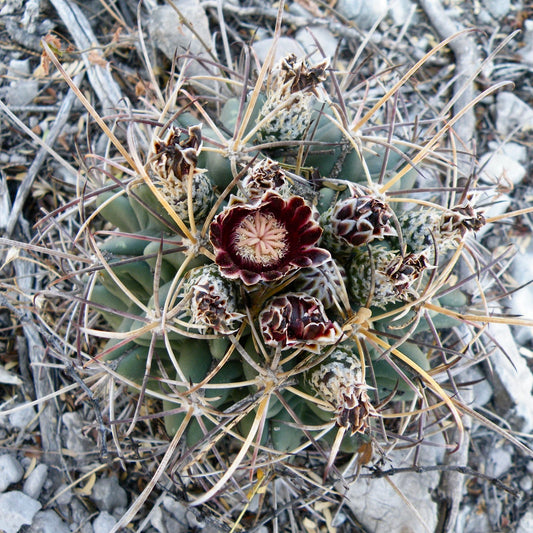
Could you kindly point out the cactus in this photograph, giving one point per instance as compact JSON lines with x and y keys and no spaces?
{"x":265,"y":284}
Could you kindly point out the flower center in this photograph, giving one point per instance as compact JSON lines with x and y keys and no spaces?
{"x":261,"y":239}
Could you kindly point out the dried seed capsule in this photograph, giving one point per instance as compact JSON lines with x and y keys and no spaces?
{"x":213,"y":300}
{"x":297,"y":320}
{"x":393,"y":275}
{"x":265,"y":176}
{"x":339,"y":381}
{"x":174,"y":163}
{"x":462,"y":218}
{"x":289,"y":99}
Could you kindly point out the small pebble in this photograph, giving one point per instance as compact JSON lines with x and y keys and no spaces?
{"x":10,"y":471}
{"x":526,"y":52}
{"x":76,"y":441}
{"x":526,"y":483}
{"x":471,"y":520}
{"x":482,"y":388}
{"x":500,"y":168}
{"x":157,"y":520}
{"x":526,"y":523}
{"x":512,"y":114}
{"x":16,"y":510}
{"x":171,"y":35}
{"x":328,"y":42}
{"x":23,"y":418}
{"x":498,"y":8}
{"x":35,"y":481}
{"x":285,"y":46}
{"x":516,"y":151}
{"x":400,"y":11}
{"x":48,"y":522}
{"x":103,"y":523}
{"x":64,"y":498}
{"x":78,"y":514}
{"x":175,"y":508}
{"x":499,"y":461}
{"x":22,"y":89}
{"x":363,"y":12}
{"x":108,"y":494}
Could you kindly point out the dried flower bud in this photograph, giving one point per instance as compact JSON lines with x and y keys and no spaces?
{"x":174,"y":156}
{"x":267,"y":240}
{"x":213,"y":300}
{"x":393,"y":275}
{"x":423,"y":229}
{"x":290,"y":97}
{"x":297,"y":320}
{"x":174,"y":163}
{"x":462,"y":218}
{"x":265,"y":176}
{"x":403,"y":271}
{"x":339,"y":381}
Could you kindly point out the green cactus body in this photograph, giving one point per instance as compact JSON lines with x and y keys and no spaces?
{"x":388,"y":378}
{"x":284,"y":435}
{"x":118,"y":211}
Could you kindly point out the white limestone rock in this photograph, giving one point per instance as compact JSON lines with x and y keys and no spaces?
{"x":10,"y":471}
{"x":512,"y":114}
{"x":377,"y":505}
{"x":364,"y":13}
{"x":16,"y":510}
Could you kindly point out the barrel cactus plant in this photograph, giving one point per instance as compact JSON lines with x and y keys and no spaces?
{"x":270,"y":283}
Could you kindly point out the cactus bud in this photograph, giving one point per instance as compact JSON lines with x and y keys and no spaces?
{"x":392,"y":274}
{"x":296,"y":319}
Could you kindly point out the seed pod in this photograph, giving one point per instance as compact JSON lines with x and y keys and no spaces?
{"x":339,"y":381}
{"x":174,"y":163}
{"x":289,"y":100}
{"x":393,"y":275}
{"x":213,"y":301}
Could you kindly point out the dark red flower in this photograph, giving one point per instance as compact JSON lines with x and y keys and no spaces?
{"x":265,"y":241}
{"x":296,"y":319}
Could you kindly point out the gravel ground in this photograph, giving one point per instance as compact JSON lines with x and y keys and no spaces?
{"x":54,"y":474}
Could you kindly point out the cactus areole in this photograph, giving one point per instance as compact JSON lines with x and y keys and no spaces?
{"x":267,"y":240}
